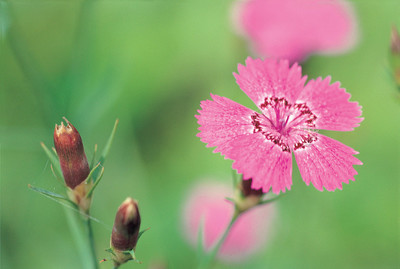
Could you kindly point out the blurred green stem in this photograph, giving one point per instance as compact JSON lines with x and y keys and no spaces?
{"x":77,"y":228}
{"x":91,"y":241}
{"x":207,"y":261}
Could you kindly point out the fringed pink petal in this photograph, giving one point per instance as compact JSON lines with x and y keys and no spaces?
{"x":227,"y":125}
{"x":222,"y":120}
{"x":326,"y":163}
{"x":265,"y":78}
{"x":260,"y":159}
{"x":331,"y":105}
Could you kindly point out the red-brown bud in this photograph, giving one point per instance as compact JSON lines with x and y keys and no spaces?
{"x":126,"y":226}
{"x":245,"y":188}
{"x":246,"y":197}
{"x":69,"y":147}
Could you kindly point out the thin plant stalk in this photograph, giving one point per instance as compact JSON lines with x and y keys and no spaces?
{"x":77,"y":230}
{"x":89,"y":229}
{"x":208,"y":260}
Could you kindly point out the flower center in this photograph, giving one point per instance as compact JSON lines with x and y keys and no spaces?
{"x":280,"y":119}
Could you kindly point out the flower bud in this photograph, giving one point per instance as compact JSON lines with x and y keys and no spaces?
{"x":69,"y":147}
{"x":246,"y":197}
{"x":246,"y":190}
{"x":125,"y":231}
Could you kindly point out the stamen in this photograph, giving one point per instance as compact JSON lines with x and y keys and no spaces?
{"x":287,"y":118}
{"x":305,"y":141}
{"x":277,"y":140}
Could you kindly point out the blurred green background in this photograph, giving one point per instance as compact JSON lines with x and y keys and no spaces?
{"x":150,"y":63}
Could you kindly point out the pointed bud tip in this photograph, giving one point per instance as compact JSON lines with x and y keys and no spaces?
{"x":64,"y":129}
{"x":128,"y":200}
{"x":129,"y":210}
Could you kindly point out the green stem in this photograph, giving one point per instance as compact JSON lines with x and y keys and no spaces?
{"x":85,"y":247}
{"x":206,"y":263}
{"x":77,"y":230}
{"x":91,"y":242}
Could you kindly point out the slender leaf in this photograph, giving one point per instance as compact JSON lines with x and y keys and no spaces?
{"x":264,"y":202}
{"x":91,"y":173}
{"x":93,"y":157}
{"x":53,"y":159}
{"x":105,"y":151}
{"x":90,"y":192}
{"x":142,"y":232}
{"x":74,"y":220}
{"x":50,"y":194}
{"x":56,"y":176}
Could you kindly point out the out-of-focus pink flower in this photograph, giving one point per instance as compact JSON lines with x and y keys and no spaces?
{"x":261,"y":144}
{"x":206,"y":203}
{"x":293,"y":29}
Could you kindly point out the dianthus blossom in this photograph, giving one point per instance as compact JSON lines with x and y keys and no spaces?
{"x":261,"y":143}
{"x":206,"y":206}
{"x":292,"y":30}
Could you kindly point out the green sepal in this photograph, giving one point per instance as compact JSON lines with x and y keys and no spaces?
{"x":264,"y":202}
{"x":132,"y":253}
{"x":142,"y":232}
{"x":110,"y":250}
{"x":91,"y":173}
{"x":105,"y":152}
{"x":50,"y":194}
{"x":53,"y":159}
{"x":61,"y":180}
{"x":93,"y":157}
{"x":90,"y":192}
{"x":229,"y":199}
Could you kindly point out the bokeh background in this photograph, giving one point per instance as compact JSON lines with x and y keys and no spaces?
{"x":150,"y":63}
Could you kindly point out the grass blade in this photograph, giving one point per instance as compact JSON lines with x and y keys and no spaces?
{"x":105,"y":151}
{"x":50,"y":194}
{"x":90,"y":192}
{"x":53,"y":159}
{"x":93,"y":157}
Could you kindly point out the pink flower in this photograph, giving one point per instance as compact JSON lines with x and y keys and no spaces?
{"x":261,"y":144}
{"x":292,"y":30}
{"x":206,"y":203}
